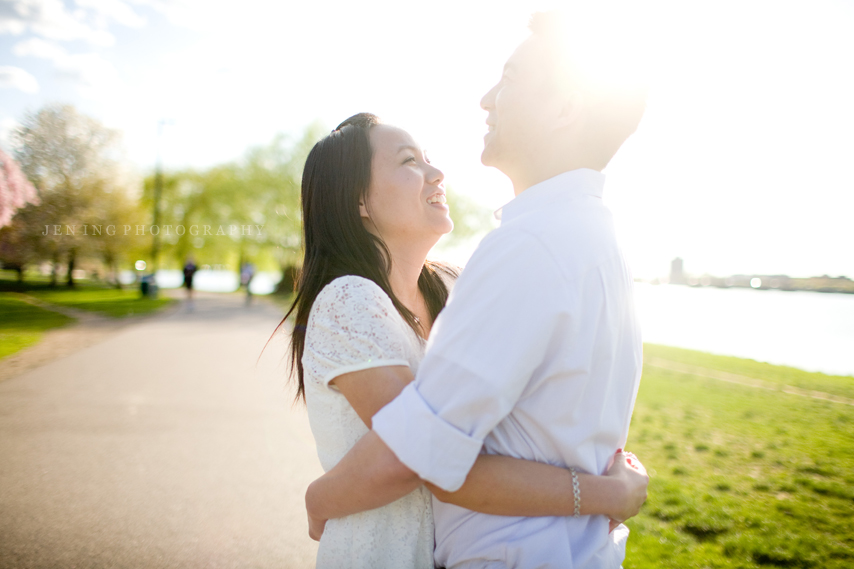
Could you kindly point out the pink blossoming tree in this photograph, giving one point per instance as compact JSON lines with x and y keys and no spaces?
{"x":15,"y":190}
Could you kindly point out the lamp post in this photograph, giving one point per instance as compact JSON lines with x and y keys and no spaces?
{"x":158,"y":193}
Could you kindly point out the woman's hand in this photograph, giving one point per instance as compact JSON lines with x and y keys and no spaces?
{"x":315,"y":527}
{"x":631,"y":473}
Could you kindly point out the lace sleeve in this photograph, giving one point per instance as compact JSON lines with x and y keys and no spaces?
{"x":351,"y":327}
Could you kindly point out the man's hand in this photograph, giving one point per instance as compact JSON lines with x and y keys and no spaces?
{"x":315,"y":527}
{"x":632,"y":474}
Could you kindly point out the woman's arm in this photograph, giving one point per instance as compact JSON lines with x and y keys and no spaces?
{"x":496,"y":484}
{"x":501,"y":485}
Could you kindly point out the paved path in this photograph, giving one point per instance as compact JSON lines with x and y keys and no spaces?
{"x":89,"y":328}
{"x":163,"y":445}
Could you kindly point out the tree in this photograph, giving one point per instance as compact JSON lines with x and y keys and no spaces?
{"x":260,"y":190}
{"x":16,"y":191}
{"x":471,"y":220}
{"x":76,"y":163}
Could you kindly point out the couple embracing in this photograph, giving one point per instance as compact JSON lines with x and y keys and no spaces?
{"x":490,"y":435}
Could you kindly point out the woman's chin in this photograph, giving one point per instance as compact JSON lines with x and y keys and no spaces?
{"x":446,"y":227}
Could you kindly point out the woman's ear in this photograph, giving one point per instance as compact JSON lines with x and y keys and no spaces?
{"x":363,"y":210}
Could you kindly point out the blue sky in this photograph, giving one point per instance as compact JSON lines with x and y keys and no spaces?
{"x":742,"y":164}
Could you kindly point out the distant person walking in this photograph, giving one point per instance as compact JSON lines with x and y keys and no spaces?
{"x":189,"y":272}
{"x":247,"y":272}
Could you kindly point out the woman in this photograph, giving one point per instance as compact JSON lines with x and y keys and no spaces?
{"x":373,"y":207}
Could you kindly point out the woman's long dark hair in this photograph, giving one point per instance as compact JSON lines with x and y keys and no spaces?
{"x":336,"y":177}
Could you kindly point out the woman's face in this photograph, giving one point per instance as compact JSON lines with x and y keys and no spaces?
{"x":406,"y":197}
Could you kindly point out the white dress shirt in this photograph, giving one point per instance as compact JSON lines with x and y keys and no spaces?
{"x":538,"y":356}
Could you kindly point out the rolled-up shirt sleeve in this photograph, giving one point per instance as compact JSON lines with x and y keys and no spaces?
{"x":483,"y":349}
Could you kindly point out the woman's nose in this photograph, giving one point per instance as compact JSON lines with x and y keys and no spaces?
{"x":435,"y":176}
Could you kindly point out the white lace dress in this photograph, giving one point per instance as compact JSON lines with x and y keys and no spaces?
{"x":353,"y":326}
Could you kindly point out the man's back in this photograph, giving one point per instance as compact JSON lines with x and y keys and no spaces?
{"x":542,"y":343}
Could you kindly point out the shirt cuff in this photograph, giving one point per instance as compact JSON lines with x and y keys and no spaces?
{"x":435,"y":450}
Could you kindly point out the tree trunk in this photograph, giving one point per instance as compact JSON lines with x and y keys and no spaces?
{"x":20,"y":270}
{"x":110,"y":262}
{"x":54,"y":270}
{"x":72,"y":255}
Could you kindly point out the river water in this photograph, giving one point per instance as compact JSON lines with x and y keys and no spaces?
{"x":806,"y":330}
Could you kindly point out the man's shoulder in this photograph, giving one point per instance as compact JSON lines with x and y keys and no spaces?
{"x":508,"y":249}
{"x":572,"y":241}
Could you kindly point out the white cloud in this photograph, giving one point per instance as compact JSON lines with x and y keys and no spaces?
{"x":90,"y":71}
{"x":7,"y":127}
{"x":10,"y":20}
{"x":35,"y":47}
{"x":116,"y":10}
{"x":50,"y":19}
{"x":16,"y":78}
{"x":184,"y":13}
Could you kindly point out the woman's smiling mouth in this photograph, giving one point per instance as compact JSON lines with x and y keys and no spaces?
{"x":437,"y":199}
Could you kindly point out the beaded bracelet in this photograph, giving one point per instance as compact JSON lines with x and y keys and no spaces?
{"x":576,"y":494}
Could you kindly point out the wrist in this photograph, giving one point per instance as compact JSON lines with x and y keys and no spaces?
{"x":617,"y":493}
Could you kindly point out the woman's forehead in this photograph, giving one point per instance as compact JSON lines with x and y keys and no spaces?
{"x":387,"y":139}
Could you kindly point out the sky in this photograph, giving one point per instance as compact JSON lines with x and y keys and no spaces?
{"x":743,"y":162}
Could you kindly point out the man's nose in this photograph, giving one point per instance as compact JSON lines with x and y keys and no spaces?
{"x":488,"y":100}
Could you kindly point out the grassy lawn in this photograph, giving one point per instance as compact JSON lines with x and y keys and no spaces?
{"x":108,"y":301}
{"x":742,"y":477}
{"x":23,"y":324}
{"x":780,"y":375}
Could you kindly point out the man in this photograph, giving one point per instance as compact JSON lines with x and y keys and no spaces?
{"x":538,"y":353}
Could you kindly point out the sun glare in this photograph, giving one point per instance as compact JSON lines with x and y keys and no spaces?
{"x":608,"y":44}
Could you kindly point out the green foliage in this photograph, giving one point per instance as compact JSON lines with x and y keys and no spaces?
{"x":262,"y":189}
{"x":75,"y":164}
{"x":471,"y":220}
{"x":22,"y":324}
{"x":741,"y":477}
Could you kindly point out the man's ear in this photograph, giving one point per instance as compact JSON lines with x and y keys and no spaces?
{"x":570,"y":110}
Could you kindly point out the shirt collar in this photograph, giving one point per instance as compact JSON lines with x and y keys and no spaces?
{"x":560,"y":188}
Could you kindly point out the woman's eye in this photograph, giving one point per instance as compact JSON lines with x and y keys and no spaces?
{"x":410,"y":159}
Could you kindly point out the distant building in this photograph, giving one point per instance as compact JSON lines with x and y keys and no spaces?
{"x":824,"y":283}
{"x":741,"y":281}
{"x":677,"y":275}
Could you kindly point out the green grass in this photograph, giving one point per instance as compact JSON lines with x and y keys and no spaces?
{"x":22,"y":324}
{"x":108,"y":301}
{"x":742,"y":477}
{"x":780,"y":375}
{"x":86,"y":295}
